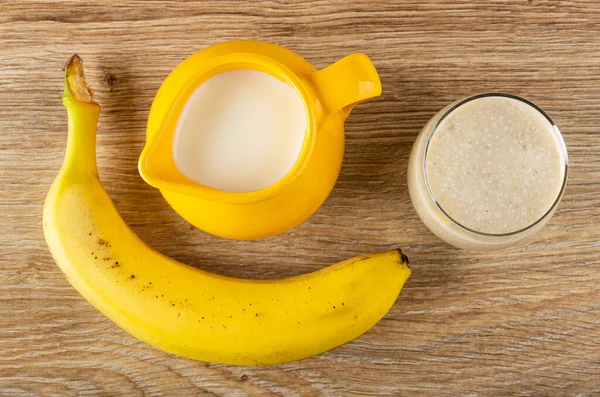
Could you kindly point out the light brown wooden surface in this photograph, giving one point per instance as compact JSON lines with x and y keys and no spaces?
{"x":524,"y":321}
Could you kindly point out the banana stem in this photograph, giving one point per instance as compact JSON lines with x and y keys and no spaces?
{"x":83,"y":115}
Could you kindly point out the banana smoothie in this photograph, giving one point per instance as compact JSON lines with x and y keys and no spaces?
{"x":487,"y":171}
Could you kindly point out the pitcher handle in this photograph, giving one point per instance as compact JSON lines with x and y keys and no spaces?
{"x":343,"y":84}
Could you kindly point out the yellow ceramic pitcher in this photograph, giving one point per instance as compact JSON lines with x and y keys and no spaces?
{"x":328,"y":96}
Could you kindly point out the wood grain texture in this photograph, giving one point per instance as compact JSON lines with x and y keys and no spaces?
{"x":524,"y":321}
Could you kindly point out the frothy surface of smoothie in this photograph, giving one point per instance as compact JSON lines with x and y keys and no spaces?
{"x":494,"y":165}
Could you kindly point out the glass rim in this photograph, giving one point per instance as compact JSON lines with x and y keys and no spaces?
{"x":556,"y":132}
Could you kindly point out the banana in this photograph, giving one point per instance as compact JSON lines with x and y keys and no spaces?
{"x":181,"y":309}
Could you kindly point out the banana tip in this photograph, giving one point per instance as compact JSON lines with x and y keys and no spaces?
{"x":74,"y":59}
{"x":76,"y":83}
{"x":403,"y":258}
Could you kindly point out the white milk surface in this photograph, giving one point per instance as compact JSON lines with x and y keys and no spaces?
{"x":494,"y":165}
{"x":240,"y":131}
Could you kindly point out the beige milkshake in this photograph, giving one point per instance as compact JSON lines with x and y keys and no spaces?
{"x":487,"y":171}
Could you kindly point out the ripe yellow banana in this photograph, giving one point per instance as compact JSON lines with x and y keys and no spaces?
{"x":186,"y":311}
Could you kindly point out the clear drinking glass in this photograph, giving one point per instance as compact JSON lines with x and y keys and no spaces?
{"x":438,"y":219}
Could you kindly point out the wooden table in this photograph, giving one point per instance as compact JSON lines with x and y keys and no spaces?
{"x":524,"y":321}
